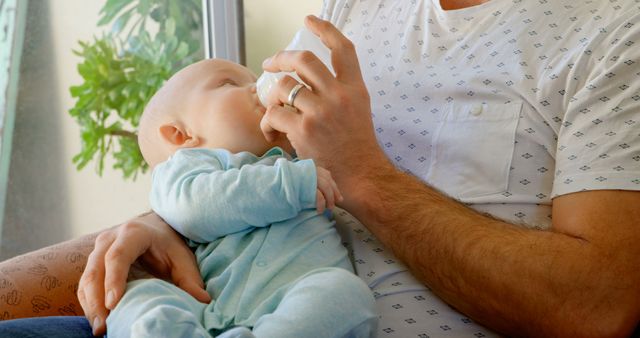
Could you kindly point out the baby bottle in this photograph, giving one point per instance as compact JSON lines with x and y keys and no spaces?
{"x":303,"y":40}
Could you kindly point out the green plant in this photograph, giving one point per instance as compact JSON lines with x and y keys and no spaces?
{"x":123,"y":69}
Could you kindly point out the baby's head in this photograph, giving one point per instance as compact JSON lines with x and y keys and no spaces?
{"x":209,"y":104}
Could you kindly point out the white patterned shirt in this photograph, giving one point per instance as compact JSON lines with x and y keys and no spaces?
{"x":503,"y":106}
{"x":507,"y":104}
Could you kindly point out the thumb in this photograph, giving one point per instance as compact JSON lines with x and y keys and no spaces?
{"x":195,"y":289}
{"x":185,"y":275}
{"x":280,"y":119}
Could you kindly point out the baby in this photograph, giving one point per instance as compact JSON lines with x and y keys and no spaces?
{"x":272,"y":262}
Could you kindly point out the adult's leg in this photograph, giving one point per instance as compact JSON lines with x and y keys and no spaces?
{"x":44,"y":282}
{"x":46,"y":327}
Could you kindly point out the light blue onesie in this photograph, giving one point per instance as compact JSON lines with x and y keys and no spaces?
{"x":273,"y":266}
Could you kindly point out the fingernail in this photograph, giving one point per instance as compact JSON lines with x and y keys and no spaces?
{"x":206,"y":296}
{"x":312,"y":17}
{"x":271,"y":108}
{"x":266,"y":62}
{"x":96,"y":324}
{"x":110,"y":299}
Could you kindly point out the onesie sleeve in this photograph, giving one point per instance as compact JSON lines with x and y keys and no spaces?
{"x":599,"y":140}
{"x":203,"y":199}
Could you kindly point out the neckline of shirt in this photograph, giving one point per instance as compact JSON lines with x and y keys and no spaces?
{"x":467,"y":11}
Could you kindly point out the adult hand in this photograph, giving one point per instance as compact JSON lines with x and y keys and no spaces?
{"x":148,"y":239}
{"x":333,"y":123}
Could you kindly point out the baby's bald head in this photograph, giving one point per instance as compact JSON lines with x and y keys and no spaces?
{"x":212,"y":104}
{"x":168,"y":106}
{"x":154,"y":115}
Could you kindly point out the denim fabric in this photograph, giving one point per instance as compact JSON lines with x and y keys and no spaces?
{"x":46,"y":327}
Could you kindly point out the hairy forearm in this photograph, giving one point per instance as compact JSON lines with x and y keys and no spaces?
{"x":515,"y":280}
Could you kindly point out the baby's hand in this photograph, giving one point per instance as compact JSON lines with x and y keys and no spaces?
{"x":327,"y":193}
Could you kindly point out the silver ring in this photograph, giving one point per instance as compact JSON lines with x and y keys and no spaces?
{"x":293,"y":93}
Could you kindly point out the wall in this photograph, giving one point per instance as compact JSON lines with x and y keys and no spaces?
{"x":48,"y":200}
{"x":270,"y":25}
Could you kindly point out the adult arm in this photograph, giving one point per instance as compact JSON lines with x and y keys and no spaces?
{"x":44,"y":282}
{"x":205,"y":198}
{"x":578,"y":279}
{"x":581,"y":278}
{"x":146,"y":240}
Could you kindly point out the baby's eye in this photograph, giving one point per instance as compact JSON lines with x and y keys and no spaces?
{"x":226,"y":82}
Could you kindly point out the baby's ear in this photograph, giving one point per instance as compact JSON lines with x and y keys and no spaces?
{"x":177,"y":135}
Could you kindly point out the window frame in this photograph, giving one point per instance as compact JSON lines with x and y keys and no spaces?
{"x":223,"y":29}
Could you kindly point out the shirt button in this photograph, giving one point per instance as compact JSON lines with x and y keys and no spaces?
{"x":477,"y":110}
{"x":261,"y":263}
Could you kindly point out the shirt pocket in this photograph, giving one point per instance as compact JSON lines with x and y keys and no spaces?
{"x":472,"y":150}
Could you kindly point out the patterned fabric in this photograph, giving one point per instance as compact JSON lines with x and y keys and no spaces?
{"x":507,"y":104}
{"x":503,"y":106}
